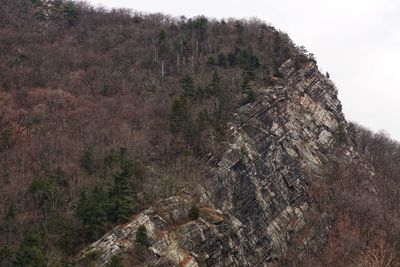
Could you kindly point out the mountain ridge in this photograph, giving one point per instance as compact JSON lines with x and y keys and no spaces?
{"x":222,"y":135}
{"x":260,"y":184}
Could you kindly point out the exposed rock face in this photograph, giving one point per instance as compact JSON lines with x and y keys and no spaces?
{"x":278,"y":141}
{"x":259,"y":185}
{"x":174,"y":238}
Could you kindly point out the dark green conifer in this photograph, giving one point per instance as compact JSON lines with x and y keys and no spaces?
{"x":5,"y":256}
{"x":92,"y":212}
{"x":70,"y":12}
{"x":232,"y":59}
{"x":31,"y":252}
{"x":87,"y":162}
{"x":141,"y":238}
{"x":179,"y":114}
{"x":211,"y":61}
{"x":222,"y":60}
{"x":194,"y":213}
{"x":115,"y":261}
{"x":120,"y":206}
{"x":187,"y":86}
{"x":215,"y":88}
{"x":162,"y":35}
{"x":191,"y":132}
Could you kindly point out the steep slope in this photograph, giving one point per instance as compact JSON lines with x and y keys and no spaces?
{"x":220,"y":137}
{"x":279,"y":143}
{"x":276,"y":146}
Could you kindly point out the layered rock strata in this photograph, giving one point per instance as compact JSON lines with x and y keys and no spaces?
{"x":259,"y":193}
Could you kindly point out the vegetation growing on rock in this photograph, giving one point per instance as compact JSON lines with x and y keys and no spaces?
{"x":102,"y":113}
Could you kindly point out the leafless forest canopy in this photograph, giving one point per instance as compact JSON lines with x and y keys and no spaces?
{"x":104,"y":111}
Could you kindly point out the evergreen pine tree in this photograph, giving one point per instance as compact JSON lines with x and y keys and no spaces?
{"x":188,"y":89}
{"x":215,"y":88}
{"x":31,"y":252}
{"x":162,"y":36}
{"x":232,"y":59}
{"x":248,"y":75}
{"x":211,"y":61}
{"x":141,"y":238}
{"x":91,"y":211}
{"x":251,"y":96}
{"x":120,"y":205}
{"x":222,"y":102}
{"x":194,"y":213}
{"x":162,"y":44}
{"x":5,"y":256}
{"x":222,"y":60}
{"x":64,"y":233}
{"x":115,"y":261}
{"x":191,"y":132}
{"x":87,"y":162}
{"x":179,"y":114}
{"x":70,"y":12}
{"x":8,"y":224}
{"x":203,"y":118}
{"x":200,"y":25}
{"x":43,"y":193}
{"x":6,"y":141}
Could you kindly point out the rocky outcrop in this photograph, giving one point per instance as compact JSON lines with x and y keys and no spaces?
{"x":173,"y":236}
{"x":277,"y":144}
{"x":259,"y":193}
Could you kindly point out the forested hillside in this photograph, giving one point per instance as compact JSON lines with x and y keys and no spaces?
{"x":100,"y":107}
{"x":103,"y":112}
{"x":361,"y":205}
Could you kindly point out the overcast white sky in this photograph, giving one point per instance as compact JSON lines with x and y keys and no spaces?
{"x":356,"y":41}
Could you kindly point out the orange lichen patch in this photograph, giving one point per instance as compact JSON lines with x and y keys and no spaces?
{"x":185,"y":260}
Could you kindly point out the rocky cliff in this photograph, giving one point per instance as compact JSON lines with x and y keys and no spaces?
{"x":277,"y":146}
